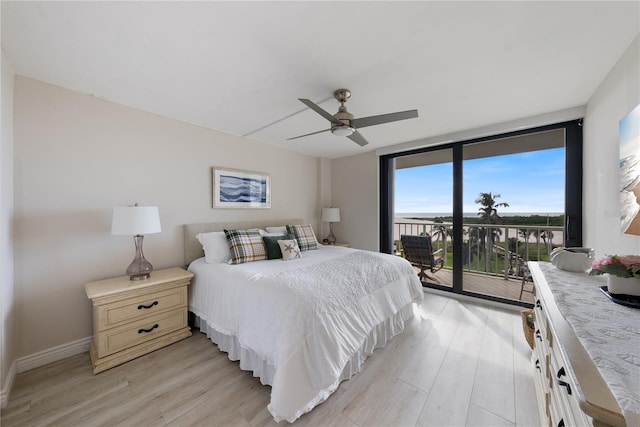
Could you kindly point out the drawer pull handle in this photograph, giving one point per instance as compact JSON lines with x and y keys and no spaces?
{"x":538,"y":304}
{"x":562,"y":373}
{"x":140,"y":307}
{"x":538,"y":365}
{"x":565,"y":384}
{"x":538,"y":335}
{"x":561,"y":423}
{"x":140,"y":331}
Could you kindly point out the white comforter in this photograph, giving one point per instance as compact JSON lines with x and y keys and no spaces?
{"x":306,"y":318}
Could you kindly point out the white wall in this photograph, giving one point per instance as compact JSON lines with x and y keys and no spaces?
{"x":76,"y":157}
{"x":354,"y":189}
{"x":7,"y":292}
{"x":618,"y":94}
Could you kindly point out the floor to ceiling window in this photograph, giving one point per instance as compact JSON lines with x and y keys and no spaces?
{"x":487,"y":206}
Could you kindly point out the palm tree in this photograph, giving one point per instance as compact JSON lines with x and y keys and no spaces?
{"x":489,"y":215}
{"x":439,"y":232}
{"x":526,"y":234}
{"x":489,"y":207}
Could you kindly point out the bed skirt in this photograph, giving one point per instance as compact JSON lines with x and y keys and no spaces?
{"x":261,"y":368}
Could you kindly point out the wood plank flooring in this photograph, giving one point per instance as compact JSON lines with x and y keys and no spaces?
{"x":458,"y":363}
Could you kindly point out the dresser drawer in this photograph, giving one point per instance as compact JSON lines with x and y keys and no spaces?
{"x":132,"y":309}
{"x":119,"y":338}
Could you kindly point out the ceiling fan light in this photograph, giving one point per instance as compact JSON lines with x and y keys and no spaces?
{"x":342,"y":130}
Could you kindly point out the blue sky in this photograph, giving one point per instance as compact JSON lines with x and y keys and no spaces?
{"x":531,"y":182}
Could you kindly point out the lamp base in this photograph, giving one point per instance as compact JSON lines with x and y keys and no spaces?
{"x":331,"y":239}
{"x":140,"y":268}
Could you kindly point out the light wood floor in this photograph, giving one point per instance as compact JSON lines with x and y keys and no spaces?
{"x":457,"y":363}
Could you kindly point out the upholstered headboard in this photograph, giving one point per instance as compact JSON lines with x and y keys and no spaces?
{"x":193,"y":248}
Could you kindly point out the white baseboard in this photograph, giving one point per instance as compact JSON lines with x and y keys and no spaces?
{"x":8,"y":383}
{"x":41,"y":358}
{"x":53,"y":354}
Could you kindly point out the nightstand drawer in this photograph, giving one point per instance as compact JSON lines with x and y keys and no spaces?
{"x":132,"y":334}
{"x":129,"y":310}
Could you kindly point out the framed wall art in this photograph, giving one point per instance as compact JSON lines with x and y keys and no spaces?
{"x":630,"y":172}
{"x":240,"y":189}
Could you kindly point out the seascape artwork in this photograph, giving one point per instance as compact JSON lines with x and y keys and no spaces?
{"x":240,"y":189}
{"x":630,"y":172}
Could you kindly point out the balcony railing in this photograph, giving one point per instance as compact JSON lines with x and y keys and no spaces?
{"x":498,"y":250}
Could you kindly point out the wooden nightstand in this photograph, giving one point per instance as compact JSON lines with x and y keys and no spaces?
{"x":132,"y":318}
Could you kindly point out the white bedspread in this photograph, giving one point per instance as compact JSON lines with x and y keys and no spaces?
{"x":306,"y":318}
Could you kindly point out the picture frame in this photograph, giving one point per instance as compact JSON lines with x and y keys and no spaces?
{"x":629,"y":164}
{"x":238,"y":189}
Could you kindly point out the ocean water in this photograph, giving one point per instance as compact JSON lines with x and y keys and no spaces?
{"x":629,"y":172}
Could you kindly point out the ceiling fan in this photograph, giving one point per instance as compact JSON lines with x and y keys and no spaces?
{"x":344,"y":124}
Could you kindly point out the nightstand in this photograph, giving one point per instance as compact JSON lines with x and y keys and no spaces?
{"x":132,"y":318}
{"x":343,"y":244}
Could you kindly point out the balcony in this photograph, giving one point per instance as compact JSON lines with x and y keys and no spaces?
{"x":494,"y":256}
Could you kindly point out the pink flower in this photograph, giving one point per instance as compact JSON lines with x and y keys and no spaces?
{"x":621,"y":266}
{"x":599,"y":263}
{"x":629,"y":260}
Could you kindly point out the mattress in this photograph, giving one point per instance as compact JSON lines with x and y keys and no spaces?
{"x":304,"y":325}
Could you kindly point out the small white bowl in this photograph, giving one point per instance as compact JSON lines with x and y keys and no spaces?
{"x":572,"y":259}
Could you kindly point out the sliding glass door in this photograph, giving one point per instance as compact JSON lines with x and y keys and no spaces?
{"x":488,"y":206}
{"x":423,"y":207}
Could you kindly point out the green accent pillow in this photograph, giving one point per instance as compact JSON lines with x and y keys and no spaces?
{"x":272,"y":247}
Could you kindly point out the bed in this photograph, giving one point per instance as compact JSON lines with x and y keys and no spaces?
{"x":302,"y":326}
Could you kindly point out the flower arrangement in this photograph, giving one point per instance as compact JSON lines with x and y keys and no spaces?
{"x":620,"y":266}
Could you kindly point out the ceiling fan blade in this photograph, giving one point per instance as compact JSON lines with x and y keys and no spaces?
{"x":308,"y":134}
{"x":358,"y":139}
{"x":383,"y":118}
{"x":320,"y":111}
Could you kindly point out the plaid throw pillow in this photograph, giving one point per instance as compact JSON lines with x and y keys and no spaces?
{"x":304,"y":235}
{"x":245,"y":246}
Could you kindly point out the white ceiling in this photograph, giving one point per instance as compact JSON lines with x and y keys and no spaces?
{"x":239,"y":67}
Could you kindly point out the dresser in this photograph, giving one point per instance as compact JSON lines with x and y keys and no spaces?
{"x":132,"y":318}
{"x":573,"y":388}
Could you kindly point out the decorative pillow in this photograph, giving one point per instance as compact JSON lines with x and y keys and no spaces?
{"x":304,"y":235}
{"x":215,"y":246}
{"x":272,"y":247}
{"x":281,"y":229}
{"x":289,"y":249}
{"x":245,"y":246}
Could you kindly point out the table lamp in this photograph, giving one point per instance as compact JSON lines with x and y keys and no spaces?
{"x":331,"y":215}
{"x":136,"y":221}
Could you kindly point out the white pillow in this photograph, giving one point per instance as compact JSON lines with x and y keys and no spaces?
{"x":215,"y":245}
{"x":289,"y":249}
{"x":279,"y":230}
{"x":266,"y":234}
{"x":259,"y":230}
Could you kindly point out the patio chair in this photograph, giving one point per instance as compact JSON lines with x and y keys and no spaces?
{"x":418,"y":250}
{"x":523,"y":271}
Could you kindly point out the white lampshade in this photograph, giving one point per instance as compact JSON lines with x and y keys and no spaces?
{"x":135,"y":220}
{"x":330,"y":215}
